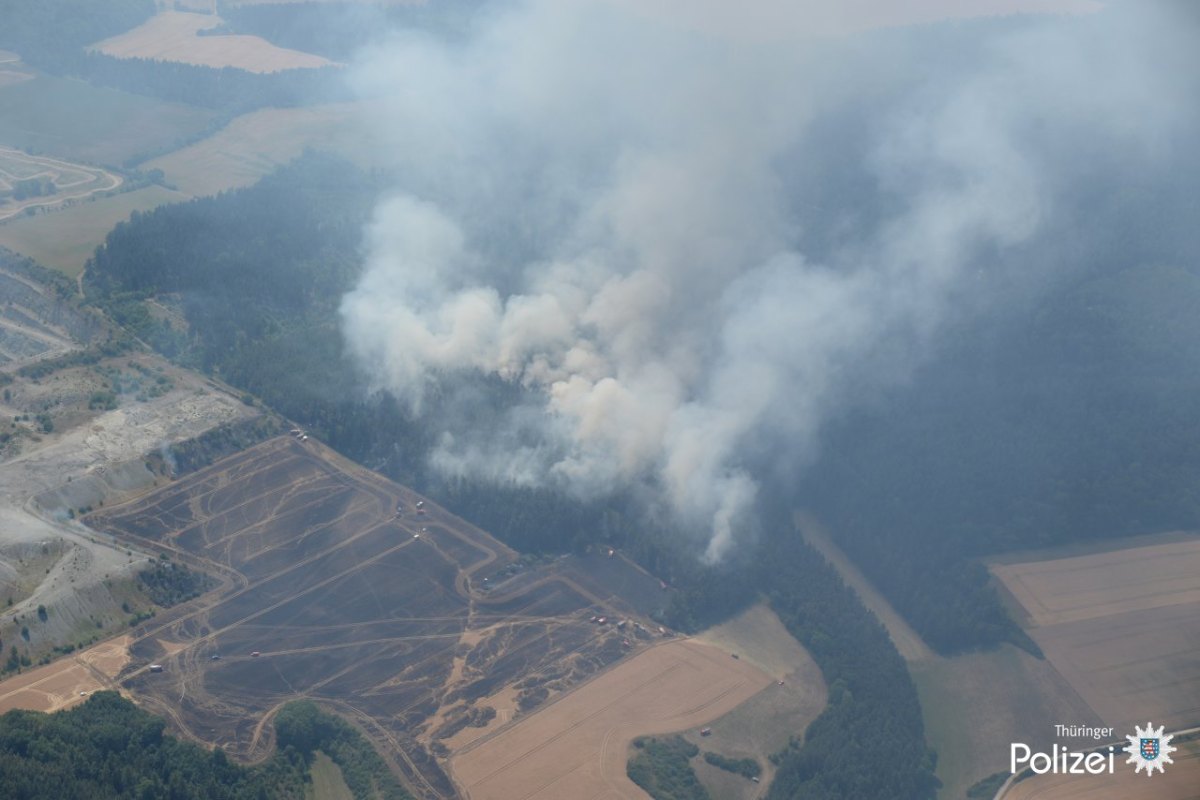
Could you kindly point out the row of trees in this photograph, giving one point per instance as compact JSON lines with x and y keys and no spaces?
{"x":870,"y":740}
{"x":662,"y":767}
{"x":109,"y":749}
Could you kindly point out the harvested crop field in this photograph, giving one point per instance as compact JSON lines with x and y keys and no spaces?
{"x":257,"y":143}
{"x":578,"y":746}
{"x":67,"y":681}
{"x":1122,"y":626}
{"x":176,"y":36}
{"x":330,"y":593}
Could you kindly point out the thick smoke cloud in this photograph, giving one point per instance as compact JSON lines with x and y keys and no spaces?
{"x":591,"y":206}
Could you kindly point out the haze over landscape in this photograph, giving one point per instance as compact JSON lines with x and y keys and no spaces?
{"x":498,"y":399}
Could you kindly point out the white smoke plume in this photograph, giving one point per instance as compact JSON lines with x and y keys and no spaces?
{"x":591,"y":206}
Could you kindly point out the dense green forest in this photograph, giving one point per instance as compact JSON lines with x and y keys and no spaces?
{"x":870,"y":740}
{"x":302,"y":727}
{"x":746,"y":767}
{"x":1073,"y":422}
{"x":108,"y":748}
{"x":660,"y":766}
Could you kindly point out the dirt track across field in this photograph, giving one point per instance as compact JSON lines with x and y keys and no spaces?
{"x":70,"y":181}
{"x":578,"y":746}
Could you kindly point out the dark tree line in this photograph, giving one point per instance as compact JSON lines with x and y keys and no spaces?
{"x":662,"y":767}
{"x":870,"y":740}
{"x":109,"y":749}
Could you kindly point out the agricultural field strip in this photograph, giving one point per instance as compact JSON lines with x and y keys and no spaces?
{"x":656,"y":678}
{"x":1130,"y":653}
{"x":718,"y":671}
{"x":176,"y":36}
{"x":1103,"y":584}
{"x":79,"y":671}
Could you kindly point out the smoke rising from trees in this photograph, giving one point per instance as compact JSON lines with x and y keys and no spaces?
{"x":594,"y":204}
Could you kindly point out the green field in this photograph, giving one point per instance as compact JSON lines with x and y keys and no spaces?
{"x":75,"y":120}
{"x":64,"y":240}
{"x":327,"y":780}
{"x":975,"y":705}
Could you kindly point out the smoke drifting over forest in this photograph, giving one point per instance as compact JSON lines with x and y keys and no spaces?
{"x":596,"y":205}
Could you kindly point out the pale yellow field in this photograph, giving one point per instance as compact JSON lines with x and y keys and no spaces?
{"x":255,"y":144}
{"x":1121,"y":626}
{"x":65,"y":239}
{"x":577,"y":746}
{"x":172,"y":36}
{"x":1103,"y":584}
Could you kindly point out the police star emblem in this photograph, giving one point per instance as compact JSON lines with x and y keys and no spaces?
{"x":1149,"y":749}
